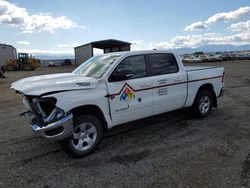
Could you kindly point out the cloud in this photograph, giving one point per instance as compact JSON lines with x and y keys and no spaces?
{"x":241,"y":26}
{"x":161,"y":45}
{"x":219,"y":17}
{"x":137,"y":45}
{"x":228,"y":16}
{"x":68,"y":45}
{"x":192,"y":41}
{"x":196,"y":26}
{"x":40,"y":51}
{"x":24,"y":42}
{"x":19,"y":17}
{"x":137,"y":42}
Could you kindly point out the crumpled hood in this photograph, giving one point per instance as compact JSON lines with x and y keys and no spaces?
{"x":38,"y":85}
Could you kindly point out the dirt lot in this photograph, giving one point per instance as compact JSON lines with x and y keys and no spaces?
{"x":170,"y":150}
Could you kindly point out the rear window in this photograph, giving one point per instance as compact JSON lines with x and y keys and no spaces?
{"x":162,"y":64}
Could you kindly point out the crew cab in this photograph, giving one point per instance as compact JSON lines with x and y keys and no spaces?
{"x":115,"y":88}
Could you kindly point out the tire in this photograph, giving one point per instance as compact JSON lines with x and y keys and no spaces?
{"x":203,"y":104}
{"x":87,"y":135}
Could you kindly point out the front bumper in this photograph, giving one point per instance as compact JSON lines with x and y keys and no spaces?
{"x":58,"y":130}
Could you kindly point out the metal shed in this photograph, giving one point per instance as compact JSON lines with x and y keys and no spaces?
{"x":7,"y":52}
{"x":84,"y":52}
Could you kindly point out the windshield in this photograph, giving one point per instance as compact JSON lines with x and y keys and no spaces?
{"x":96,"y":66}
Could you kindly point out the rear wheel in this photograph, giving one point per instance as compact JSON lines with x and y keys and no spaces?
{"x":203,"y":104}
{"x":86,"y":136}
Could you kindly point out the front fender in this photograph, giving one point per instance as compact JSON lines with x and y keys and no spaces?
{"x":69,"y":100}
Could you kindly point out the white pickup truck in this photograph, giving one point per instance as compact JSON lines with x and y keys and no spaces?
{"x":112,"y":89}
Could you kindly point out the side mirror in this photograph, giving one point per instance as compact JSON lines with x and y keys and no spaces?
{"x":120,"y":75}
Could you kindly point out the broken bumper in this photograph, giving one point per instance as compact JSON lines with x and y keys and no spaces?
{"x":58,"y":130}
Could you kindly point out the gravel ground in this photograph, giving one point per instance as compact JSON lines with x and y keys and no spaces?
{"x":169,"y":150}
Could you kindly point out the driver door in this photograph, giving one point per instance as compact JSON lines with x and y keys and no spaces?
{"x":129,"y":89}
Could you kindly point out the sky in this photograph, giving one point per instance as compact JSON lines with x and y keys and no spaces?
{"x":55,"y":27}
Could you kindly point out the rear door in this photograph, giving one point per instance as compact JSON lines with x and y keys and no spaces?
{"x":169,"y":82}
{"x":130,"y":97}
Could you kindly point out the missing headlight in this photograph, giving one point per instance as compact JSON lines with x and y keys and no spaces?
{"x":47,"y":105}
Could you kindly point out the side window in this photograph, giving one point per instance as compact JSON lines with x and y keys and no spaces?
{"x":130,"y":68}
{"x":162,"y":64}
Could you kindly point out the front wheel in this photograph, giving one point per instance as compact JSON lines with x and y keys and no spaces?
{"x":203,"y":104}
{"x":86,"y":137}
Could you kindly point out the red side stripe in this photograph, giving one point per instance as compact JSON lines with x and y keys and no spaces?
{"x":206,"y":78}
{"x":136,"y":90}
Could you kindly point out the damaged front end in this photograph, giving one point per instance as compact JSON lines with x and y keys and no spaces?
{"x":48,"y":120}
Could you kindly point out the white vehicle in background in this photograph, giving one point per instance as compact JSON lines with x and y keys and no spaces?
{"x":51,"y":64}
{"x":198,"y":60}
{"x":218,"y":58}
{"x":189,"y":59}
{"x":204,"y":58}
{"x":112,"y":89}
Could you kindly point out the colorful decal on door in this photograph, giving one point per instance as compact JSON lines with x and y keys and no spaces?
{"x":127,"y":95}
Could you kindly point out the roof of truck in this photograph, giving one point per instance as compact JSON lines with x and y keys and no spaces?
{"x":141,"y":52}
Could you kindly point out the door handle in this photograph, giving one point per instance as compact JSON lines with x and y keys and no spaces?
{"x":178,"y":79}
{"x":145,"y":84}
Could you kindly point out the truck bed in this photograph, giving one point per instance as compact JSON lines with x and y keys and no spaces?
{"x":200,"y":75}
{"x":196,"y":73}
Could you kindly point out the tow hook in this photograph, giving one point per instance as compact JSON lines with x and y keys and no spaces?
{"x":27,"y":113}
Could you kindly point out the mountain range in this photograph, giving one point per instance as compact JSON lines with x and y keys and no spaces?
{"x":213,"y":48}
{"x":207,"y":49}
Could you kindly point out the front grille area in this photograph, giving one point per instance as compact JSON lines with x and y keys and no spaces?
{"x":47,"y":105}
{"x":41,"y":107}
{"x":35,"y":110}
{"x":37,"y":121}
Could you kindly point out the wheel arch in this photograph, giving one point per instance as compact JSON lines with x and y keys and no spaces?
{"x":90,"y":109}
{"x":207,"y":87}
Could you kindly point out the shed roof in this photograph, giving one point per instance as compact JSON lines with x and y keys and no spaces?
{"x":1,"y":44}
{"x":109,"y":43}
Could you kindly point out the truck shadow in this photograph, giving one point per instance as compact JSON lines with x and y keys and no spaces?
{"x":182,"y":114}
{"x":157,"y":126}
